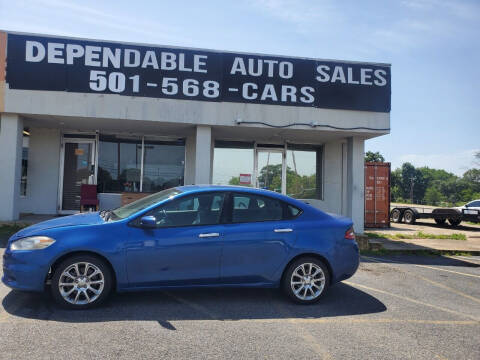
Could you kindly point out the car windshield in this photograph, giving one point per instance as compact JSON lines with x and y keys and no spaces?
{"x":138,"y":205}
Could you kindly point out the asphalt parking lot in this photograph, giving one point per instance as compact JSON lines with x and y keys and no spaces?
{"x":395,"y":307}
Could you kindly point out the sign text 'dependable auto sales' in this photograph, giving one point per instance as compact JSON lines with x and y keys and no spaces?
{"x":59,"y":64}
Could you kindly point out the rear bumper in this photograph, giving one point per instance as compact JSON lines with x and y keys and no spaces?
{"x":347,"y":261}
{"x":21,"y":273}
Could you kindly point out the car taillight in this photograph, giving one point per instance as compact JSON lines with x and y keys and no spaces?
{"x":349,"y":234}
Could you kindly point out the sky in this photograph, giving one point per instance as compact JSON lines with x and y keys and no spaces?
{"x":432,"y":45}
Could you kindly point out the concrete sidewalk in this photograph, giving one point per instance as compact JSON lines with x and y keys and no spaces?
{"x":471,"y":245}
{"x":472,"y":233}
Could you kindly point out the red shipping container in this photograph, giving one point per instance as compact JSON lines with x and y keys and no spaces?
{"x":377,"y":195}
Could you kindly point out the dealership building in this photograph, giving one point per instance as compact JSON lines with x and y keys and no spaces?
{"x":134,"y":119}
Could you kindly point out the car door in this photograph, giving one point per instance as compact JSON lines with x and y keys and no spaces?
{"x":257,"y":239}
{"x":185,"y":246}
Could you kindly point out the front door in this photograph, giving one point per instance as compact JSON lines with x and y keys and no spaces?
{"x":270,"y":169}
{"x":78,"y":158}
{"x":183,"y":249}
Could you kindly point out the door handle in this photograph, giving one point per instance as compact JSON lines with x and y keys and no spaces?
{"x":283,"y":230}
{"x":208,"y":235}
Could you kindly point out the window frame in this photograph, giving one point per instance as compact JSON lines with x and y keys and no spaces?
{"x":136,"y":221}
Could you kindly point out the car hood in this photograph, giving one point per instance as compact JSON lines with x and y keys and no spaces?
{"x":90,"y":218}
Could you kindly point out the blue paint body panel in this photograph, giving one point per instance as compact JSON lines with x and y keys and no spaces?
{"x":245,"y":254}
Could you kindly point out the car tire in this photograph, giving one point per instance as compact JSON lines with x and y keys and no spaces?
{"x":306,"y":280}
{"x":440,"y":221}
{"x":409,"y":217}
{"x":90,"y":278}
{"x":454,"y":222}
{"x":396,"y":216}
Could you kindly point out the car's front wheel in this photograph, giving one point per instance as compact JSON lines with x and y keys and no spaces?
{"x":81,"y":282}
{"x":306,"y":280}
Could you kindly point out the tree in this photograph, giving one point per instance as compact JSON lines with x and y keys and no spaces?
{"x":371,"y":156}
{"x":472,"y":175}
{"x":396,"y":186}
{"x":433,"y":196}
{"x":271,"y":177}
{"x":412,"y":179}
{"x":235,"y":180}
{"x":477,"y":157}
{"x":432,"y":186}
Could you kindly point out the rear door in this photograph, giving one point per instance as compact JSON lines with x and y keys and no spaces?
{"x":257,"y":238}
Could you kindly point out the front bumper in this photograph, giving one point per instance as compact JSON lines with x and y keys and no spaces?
{"x":23,"y":271}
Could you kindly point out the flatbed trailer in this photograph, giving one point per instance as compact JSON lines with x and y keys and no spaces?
{"x":410,"y":214}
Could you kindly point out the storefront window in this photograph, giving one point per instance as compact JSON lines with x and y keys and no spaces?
{"x":304,"y":172}
{"x":120,"y":165}
{"x":163,"y":165}
{"x":233,"y":163}
{"x":25,"y":148}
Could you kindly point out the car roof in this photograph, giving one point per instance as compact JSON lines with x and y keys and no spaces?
{"x":235,"y":188}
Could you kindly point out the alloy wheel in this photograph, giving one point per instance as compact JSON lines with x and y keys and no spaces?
{"x":307,"y":281}
{"x":81,"y":283}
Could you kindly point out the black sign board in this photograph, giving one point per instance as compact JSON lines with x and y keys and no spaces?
{"x":61,"y":64}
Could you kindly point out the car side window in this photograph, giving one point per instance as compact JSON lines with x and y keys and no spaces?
{"x":293,"y":211}
{"x":474,"y":204}
{"x":253,"y":208}
{"x":196,"y":209}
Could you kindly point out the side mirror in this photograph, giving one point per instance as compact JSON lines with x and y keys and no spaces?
{"x":148,"y":222}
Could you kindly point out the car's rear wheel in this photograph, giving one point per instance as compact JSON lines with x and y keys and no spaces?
{"x":440,"y":221}
{"x":81,"y":282}
{"x":306,"y":280}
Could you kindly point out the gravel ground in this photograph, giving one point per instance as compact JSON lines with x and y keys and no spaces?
{"x":395,"y":307}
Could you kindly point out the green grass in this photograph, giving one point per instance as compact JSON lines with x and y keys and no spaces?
{"x":418,"y":235}
{"x":8,"y":230}
{"x":11,"y":229}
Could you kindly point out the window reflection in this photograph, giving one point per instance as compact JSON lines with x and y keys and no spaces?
{"x":25,"y":148}
{"x":164,"y":165}
{"x":233,"y":163}
{"x":120,"y":164}
{"x":304,"y":172}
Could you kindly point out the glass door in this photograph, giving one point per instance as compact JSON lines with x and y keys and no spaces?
{"x":270,"y":169}
{"x":78,"y":160}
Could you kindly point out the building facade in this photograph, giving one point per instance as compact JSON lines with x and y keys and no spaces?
{"x":135,"y":119}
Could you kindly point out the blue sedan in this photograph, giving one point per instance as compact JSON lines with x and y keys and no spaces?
{"x":190,"y":236}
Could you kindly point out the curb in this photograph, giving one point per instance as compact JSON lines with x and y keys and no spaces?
{"x":377,"y":247}
{"x":420,"y":252}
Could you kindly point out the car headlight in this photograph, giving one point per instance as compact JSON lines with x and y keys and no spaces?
{"x":32,"y":243}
